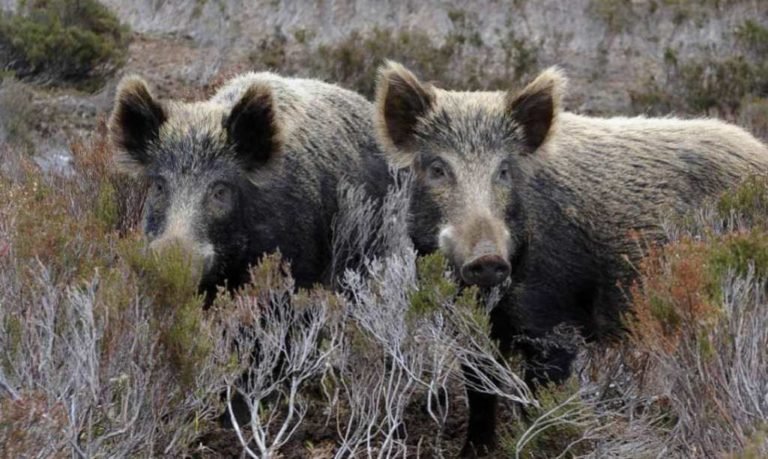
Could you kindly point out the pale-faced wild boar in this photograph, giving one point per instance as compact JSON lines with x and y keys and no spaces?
{"x":249,"y":171}
{"x":519,"y":194}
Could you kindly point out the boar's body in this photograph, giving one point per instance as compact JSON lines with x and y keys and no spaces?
{"x":544,"y":204}
{"x":599,"y":193}
{"x":327,"y":137}
{"x":252,"y":170}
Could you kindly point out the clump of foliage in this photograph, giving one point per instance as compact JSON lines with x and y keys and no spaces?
{"x":747,"y":204}
{"x":710,"y":85}
{"x":353,"y":61}
{"x":72,"y":41}
{"x":103,"y":343}
{"x":754,"y":36}
{"x":520,"y":59}
{"x":699,"y":312}
{"x":721,"y":84}
{"x":559,"y":426}
{"x":753,"y":115}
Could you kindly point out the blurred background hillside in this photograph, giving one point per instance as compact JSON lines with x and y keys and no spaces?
{"x":61,"y":59}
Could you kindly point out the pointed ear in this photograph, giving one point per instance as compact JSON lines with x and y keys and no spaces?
{"x":253,"y":129}
{"x":536,"y":107}
{"x":134,"y":123}
{"x":401,"y":100}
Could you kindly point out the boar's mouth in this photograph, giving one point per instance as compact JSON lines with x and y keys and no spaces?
{"x":515,"y":273}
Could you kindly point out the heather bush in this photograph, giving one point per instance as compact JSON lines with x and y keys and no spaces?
{"x":116,"y":363}
{"x":699,"y":328}
{"x":109,"y":351}
{"x":75,"y":41}
{"x":113,"y":343}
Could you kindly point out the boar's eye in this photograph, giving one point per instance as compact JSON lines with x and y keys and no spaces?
{"x":157,"y":188}
{"x":221,"y":199}
{"x":504,"y":174}
{"x":437,"y":171}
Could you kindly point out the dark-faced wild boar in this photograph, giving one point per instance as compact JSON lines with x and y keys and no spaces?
{"x":519,"y":194}
{"x":249,"y":171}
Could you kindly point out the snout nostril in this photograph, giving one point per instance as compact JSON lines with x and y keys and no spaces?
{"x":485,"y":271}
{"x":476,"y":269}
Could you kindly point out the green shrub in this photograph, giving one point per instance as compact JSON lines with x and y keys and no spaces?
{"x":754,"y":37}
{"x":63,"y":40}
{"x":754,"y":116}
{"x":721,"y":83}
{"x":722,"y":86}
{"x":521,"y":58}
{"x":434,"y":288}
{"x":557,"y":428}
{"x":354,"y":61}
{"x":748,"y":202}
{"x":170,"y":279}
{"x":650,"y":98}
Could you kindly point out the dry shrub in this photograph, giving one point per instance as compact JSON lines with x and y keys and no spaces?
{"x":674,"y":297}
{"x":119,"y":340}
{"x":29,"y":422}
{"x":700,"y":328}
{"x":94,"y":327}
{"x":119,"y":198}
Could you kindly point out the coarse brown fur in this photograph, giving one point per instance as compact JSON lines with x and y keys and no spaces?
{"x":252,"y":170}
{"x":509,"y":186}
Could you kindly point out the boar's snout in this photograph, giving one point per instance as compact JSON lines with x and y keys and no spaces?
{"x":485,"y":271}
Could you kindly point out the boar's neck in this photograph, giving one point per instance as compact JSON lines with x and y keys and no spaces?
{"x":294,"y":215}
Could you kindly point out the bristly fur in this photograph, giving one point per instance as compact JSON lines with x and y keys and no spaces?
{"x":254,"y":122}
{"x":401,"y":100}
{"x":556,"y":194}
{"x":546,"y":93}
{"x":134,"y":123}
{"x":252,"y":170}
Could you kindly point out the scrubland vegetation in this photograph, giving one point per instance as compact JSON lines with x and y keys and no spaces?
{"x":108,"y":351}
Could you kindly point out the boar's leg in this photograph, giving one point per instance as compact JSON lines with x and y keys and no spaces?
{"x":481,"y":427}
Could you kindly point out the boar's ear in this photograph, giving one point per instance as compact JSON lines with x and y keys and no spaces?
{"x":253,"y":129}
{"x":401,"y":100}
{"x":134,"y":123}
{"x":536,"y":107}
